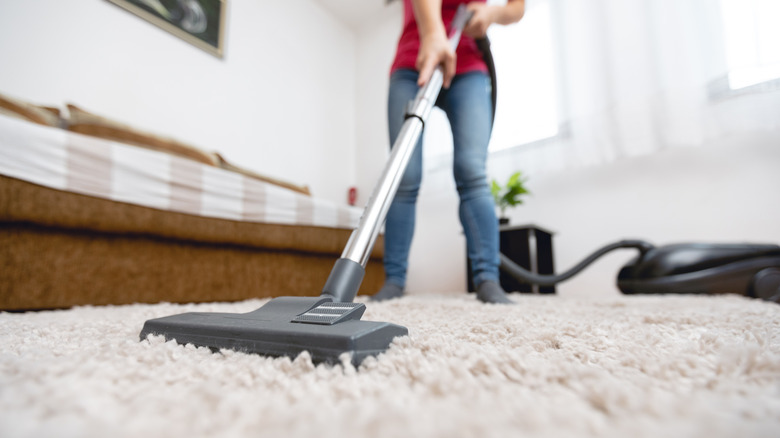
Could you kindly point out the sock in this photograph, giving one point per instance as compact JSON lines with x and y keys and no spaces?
{"x":491,"y":292}
{"x":388,"y":292}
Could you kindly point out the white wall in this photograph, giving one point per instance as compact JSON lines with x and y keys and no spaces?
{"x":376,"y":42}
{"x":282,"y":101}
{"x":724,"y":192}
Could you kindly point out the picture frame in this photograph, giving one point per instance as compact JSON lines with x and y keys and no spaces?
{"x":199,"y":22}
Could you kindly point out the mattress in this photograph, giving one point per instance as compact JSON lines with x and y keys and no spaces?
{"x":77,"y":163}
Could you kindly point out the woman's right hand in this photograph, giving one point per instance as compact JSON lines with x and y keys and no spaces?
{"x":435,"y":50}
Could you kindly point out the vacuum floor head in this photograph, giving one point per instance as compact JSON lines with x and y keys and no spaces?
{"x":284,"y":326}
{"x":748,"y":269}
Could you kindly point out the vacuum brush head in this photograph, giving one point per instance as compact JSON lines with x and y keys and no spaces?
{"x":284,"y":326}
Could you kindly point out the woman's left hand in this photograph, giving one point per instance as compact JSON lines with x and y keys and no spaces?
{"x":482,"y":19}
{"x":485,"y":15}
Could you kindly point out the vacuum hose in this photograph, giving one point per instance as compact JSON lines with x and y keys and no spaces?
{"x":526,"y":276}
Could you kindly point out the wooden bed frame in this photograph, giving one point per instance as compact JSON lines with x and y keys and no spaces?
{"x":60,"y":249}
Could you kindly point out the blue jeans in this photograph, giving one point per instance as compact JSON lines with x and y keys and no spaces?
{"x":468,"y":107}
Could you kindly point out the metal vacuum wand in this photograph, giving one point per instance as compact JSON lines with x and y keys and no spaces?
{"x":347,"y":274}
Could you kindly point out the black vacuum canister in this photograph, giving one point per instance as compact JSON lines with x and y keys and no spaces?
{"x":696,"y":268}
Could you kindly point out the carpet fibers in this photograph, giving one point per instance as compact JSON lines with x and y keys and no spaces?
{"x":669,"y":366}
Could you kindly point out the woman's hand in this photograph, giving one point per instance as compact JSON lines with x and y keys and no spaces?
{"x":435,"y":50}
{"x":485,"y":15}
{"x":434,"y":47}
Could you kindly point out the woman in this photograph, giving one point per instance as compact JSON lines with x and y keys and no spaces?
{"x":466,"y":100}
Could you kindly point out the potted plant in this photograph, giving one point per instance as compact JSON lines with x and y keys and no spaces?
{"x":509,"y":195}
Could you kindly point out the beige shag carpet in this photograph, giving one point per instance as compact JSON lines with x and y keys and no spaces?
{"x":668,"y":366}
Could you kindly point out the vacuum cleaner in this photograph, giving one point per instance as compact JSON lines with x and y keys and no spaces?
{"x":752,"y":270}
{"x":327,"y":326}
{"x":330,"y":326}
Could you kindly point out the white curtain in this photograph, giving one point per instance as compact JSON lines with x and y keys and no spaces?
{"x":636,"y":77}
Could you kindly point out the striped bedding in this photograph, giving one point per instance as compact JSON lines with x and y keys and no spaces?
{"x":77,"y":163}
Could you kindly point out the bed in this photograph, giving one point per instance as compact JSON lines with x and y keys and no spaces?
{"x":94,"y":212}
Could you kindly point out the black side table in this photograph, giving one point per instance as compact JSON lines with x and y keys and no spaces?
{"x":530,"y":246}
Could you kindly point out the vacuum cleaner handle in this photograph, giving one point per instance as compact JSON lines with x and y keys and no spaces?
{"x":347,"y":274}
{"x":363,"y":238}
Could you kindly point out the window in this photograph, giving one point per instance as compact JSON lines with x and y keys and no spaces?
{"x":752,"y":41}
{"x":524,"y":55}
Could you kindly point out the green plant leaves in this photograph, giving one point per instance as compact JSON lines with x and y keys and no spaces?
{"x":511,"y":194}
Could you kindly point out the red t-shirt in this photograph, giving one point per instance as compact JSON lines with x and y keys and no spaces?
{"x":469,"y":58}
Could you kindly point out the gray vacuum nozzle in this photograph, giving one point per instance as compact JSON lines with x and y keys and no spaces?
{"x":284,"y":326}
